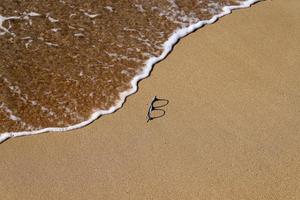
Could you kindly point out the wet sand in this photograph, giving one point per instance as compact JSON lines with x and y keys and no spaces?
{"x":231,"y":129}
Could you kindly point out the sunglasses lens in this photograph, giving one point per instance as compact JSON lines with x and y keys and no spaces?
{"x":160,"y":103}
{"x":157,"y":113}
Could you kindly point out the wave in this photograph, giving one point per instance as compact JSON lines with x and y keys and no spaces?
{"x":167,"y":48}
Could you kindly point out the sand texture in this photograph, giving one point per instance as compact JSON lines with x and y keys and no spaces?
{"x":231,"y":130}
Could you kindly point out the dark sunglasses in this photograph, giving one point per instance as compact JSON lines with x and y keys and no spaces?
{"x":154,"y":110}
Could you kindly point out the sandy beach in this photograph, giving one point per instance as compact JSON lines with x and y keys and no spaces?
{"x":231,"y":129}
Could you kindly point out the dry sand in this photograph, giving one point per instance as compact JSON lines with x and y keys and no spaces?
{"x":231,"y":131}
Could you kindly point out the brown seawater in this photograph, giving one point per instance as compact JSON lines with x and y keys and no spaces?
{"x":63,"y":60}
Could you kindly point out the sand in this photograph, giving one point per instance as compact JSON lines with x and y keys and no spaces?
{"x":231,"y":129}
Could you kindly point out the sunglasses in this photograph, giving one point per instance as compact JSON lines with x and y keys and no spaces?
{"x":155,"y":109}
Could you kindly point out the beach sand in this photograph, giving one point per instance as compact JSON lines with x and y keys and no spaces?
{"x":231,"y":129}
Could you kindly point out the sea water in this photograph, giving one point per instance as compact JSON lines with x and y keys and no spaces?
{"x":64,"y":63}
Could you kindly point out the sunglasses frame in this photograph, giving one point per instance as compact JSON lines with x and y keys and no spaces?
{"x":153,"y":108}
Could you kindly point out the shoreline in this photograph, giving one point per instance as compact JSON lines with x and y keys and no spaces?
{"x":168,"y":46}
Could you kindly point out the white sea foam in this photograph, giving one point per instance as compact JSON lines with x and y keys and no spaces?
{"x":178,"y":34}
{"x":4,"y":30}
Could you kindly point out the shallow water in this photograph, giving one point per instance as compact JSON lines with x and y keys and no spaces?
{"x":61,"y":61}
